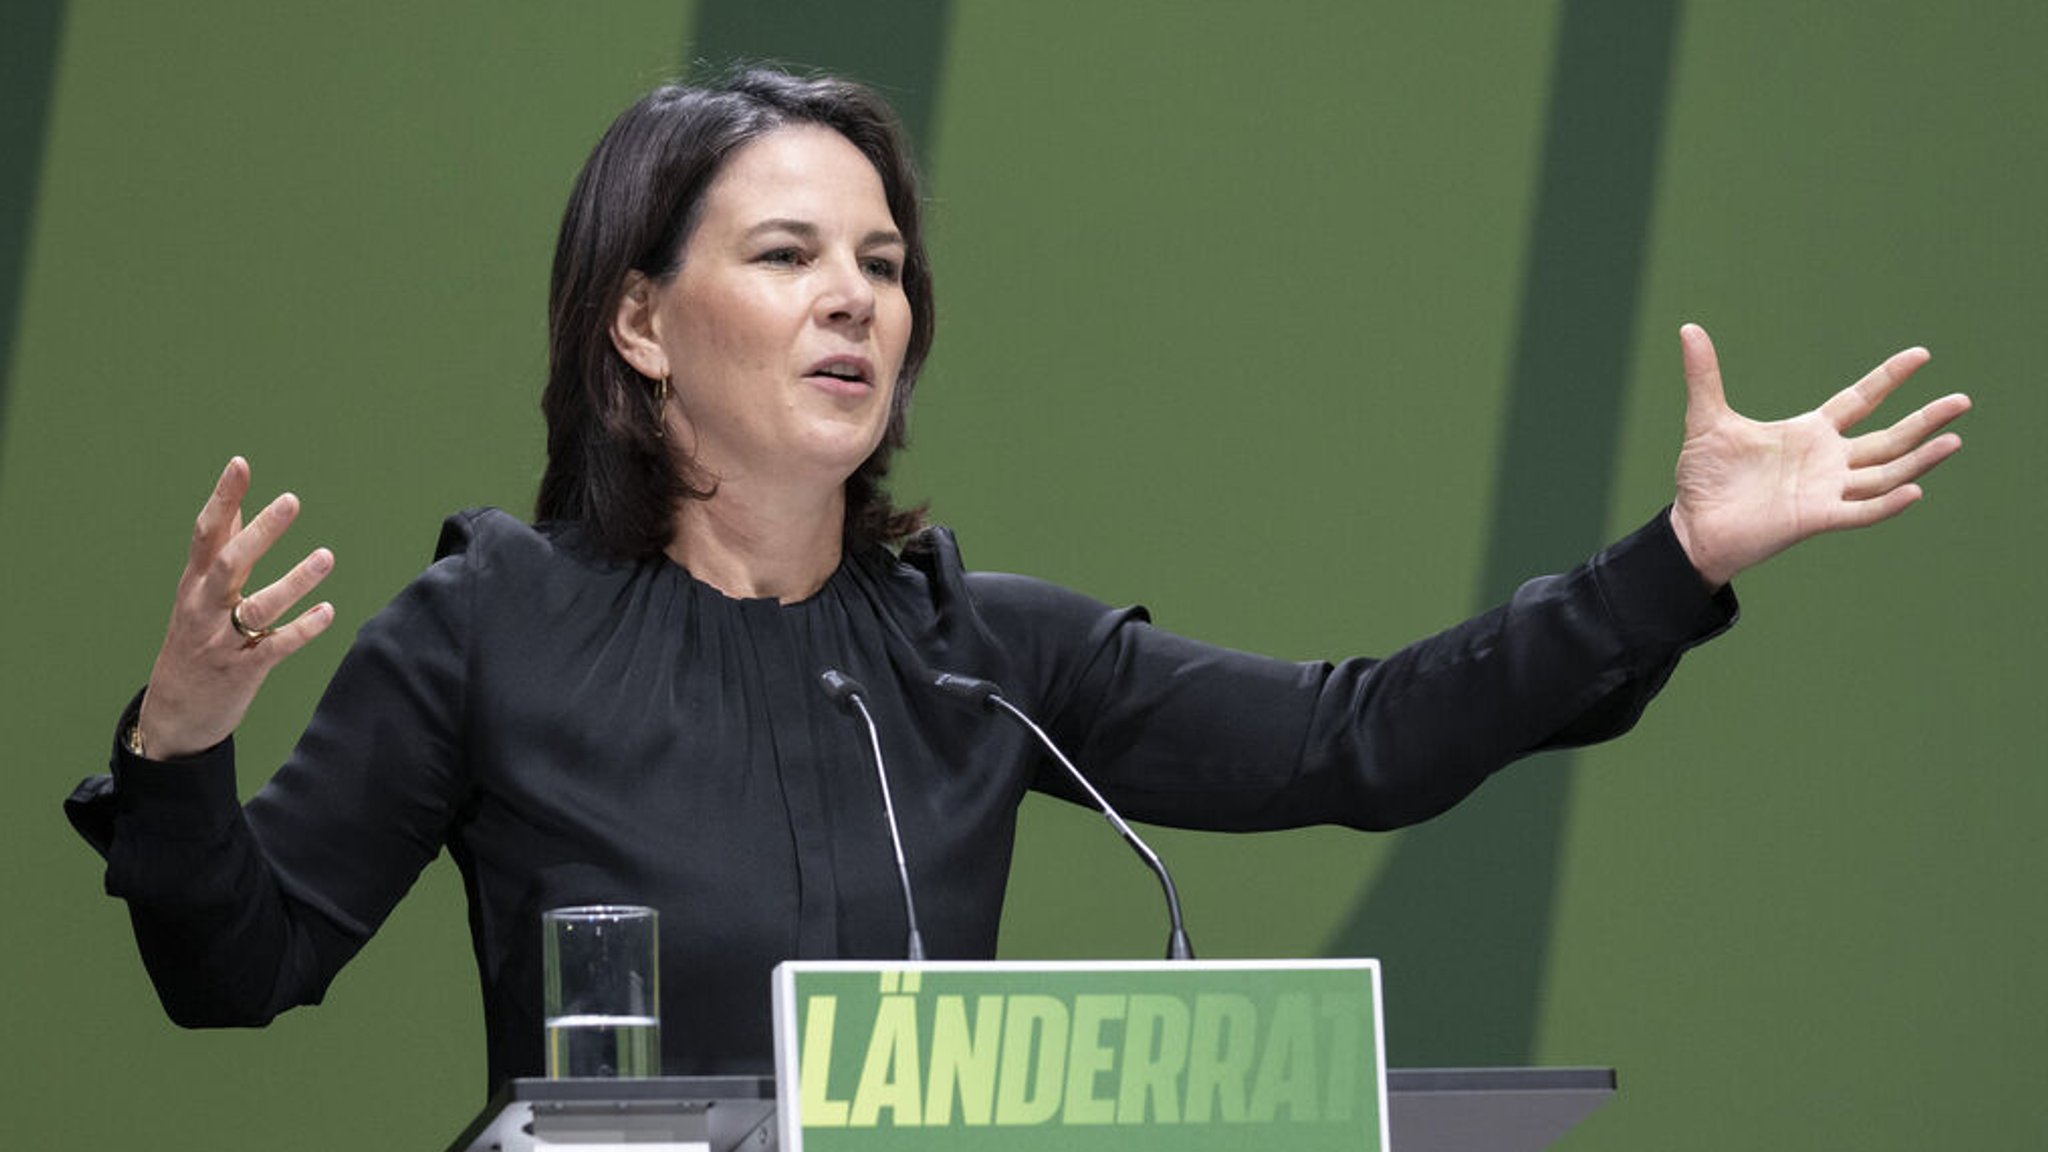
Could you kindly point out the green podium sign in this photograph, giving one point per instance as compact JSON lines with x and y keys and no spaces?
{"x":1080,"y":1055}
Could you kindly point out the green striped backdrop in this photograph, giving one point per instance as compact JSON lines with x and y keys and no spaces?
{"x":1312,"y":325}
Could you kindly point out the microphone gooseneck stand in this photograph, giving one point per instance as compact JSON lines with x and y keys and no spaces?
{"x":989,"y":696}
{"x":847,"y":692}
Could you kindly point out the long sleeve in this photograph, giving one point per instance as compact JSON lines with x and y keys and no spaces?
{"x":213,"y":928}
{"x":241,"y":913}
{"x":1188,"y":734}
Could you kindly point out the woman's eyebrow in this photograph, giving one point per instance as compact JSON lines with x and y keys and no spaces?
{"x":809,"y":231}
{"x":796,"y":227}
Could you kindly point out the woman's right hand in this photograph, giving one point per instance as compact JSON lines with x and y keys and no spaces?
{"x":207,"y":672}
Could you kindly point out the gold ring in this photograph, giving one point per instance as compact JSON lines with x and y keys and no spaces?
{"x":254,"y":636}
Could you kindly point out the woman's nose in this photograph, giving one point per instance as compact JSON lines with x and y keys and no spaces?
{"x":849,"y":297}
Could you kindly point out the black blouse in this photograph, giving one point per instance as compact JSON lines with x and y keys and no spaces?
{"x":577,"y":731}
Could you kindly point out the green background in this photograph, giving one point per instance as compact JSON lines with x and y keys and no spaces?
{"x":1306,"y":324}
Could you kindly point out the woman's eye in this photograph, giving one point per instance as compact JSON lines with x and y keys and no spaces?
{"x":790,"y":256}
{"x":881,"y":268}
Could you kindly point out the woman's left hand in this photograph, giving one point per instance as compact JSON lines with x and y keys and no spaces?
{"x":1749,"y":490}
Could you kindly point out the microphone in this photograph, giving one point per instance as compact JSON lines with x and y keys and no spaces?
{"x":846,"y":692}
{"x":989,"y":696}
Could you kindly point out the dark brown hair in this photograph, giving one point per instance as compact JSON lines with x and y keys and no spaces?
{"x":633,"y":208}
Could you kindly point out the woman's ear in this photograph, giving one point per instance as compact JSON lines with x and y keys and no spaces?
{"x":633,"y":328}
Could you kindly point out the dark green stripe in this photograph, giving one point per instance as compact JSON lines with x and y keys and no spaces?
{"x":1462,"y":915}
{"x":898,"y":48}
{"x":30,"y":33}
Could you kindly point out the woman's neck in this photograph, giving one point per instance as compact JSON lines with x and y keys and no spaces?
{"x":758,"y":549}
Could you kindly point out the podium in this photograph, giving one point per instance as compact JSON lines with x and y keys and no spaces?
{"x":1430,"y":1110}
{"x":1082,"y":1056}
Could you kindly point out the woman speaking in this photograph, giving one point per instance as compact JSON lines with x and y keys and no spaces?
{"x":621,"y":701}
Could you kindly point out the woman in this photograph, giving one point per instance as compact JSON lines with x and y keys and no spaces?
{"x":620,"y":702}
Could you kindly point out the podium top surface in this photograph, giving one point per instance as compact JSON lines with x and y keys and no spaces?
{"x":1490,"y":1109}
{"x":1430,"y":1109}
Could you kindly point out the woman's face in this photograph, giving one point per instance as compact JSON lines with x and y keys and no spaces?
{"x":785,"y":327}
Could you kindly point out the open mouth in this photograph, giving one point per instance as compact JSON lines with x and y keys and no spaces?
{"x":842,"y":369}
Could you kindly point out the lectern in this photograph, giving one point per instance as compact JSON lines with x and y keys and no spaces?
{"x":1079,"y":1056}
{"x":1431,"y":1110}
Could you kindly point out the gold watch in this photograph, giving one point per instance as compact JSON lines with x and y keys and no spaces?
{"x":133,"y":739}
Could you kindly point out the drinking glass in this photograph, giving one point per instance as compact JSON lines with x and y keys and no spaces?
{"x":602,"y":968}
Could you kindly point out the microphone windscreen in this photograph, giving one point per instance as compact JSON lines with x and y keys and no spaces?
{"x":840,"y":687}
{"x":967,"y":688}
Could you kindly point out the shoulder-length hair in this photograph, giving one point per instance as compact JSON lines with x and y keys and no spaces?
{"x":633,"y":208}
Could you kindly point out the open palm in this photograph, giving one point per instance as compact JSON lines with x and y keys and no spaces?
{"x":1748,"y":490}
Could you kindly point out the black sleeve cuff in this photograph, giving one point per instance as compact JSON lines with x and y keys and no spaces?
{"x":192,"y":796}
{"x":1655,"y":594}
